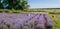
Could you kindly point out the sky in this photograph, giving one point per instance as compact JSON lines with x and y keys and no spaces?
{"x":44,"y":3}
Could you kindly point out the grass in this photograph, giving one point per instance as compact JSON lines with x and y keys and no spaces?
{"x":56,"y":22}
{"x":49,"y":11}
{"x":55,"y":16}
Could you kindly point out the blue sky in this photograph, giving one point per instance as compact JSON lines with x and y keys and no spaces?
{"x":44,"y":3}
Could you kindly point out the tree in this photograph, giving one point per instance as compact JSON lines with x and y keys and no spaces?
{"x":20,"y":4}
{"x":15,"y":4}
{"x":1,"y":6}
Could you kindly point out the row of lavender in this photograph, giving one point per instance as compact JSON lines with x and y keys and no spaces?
{"x":25,"y":21}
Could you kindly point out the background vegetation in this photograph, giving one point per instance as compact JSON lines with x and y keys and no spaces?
{"x":14,"y":4}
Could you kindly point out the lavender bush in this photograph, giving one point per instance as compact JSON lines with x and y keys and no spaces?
{"x":24,"y":21}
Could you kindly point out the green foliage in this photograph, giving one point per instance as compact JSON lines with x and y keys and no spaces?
{"x":39,"y":28}
{"x":1,"y":11}
{"x":15,"y":4}
{"x":53,"y":13}
{"x":1,"y":5}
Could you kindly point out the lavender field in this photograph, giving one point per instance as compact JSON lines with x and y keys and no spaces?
{"x":25,"y":21}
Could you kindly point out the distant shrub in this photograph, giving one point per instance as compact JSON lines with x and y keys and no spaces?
{"x":53,"y":13}
{"x":6,"y":11}
{"x":53,"y":16}
{"x":16,"y":12}
{"x":1,"y":11}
